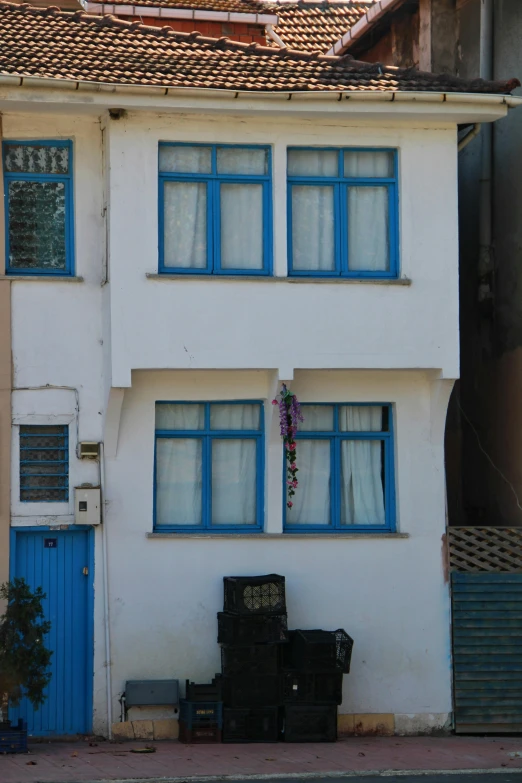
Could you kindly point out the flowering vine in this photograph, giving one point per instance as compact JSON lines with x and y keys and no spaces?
{"x":289,"y":417}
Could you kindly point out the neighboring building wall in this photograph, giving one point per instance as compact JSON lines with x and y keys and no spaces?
{"x":236,"y":31}
{"x":5,"y":400}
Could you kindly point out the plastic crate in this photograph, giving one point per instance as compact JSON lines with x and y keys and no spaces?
{"x":200,"y":713}
{"x":252,"y":659}
{"x":205,"y":692}
{"x":252,"y":691}
{"x":254,"y":629}
{"x":312,"y":687}
{"x":247,"y":595}
{"x":317,"y":651}
{"x":259,"y":724}
{"x":14,"y":740}
{"x":199,"y":735}
{"x":310,"y":723}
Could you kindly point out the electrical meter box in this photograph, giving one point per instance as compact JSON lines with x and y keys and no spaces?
{"x":87,"y":505}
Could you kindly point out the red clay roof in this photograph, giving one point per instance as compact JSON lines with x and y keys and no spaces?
{"x":313,"y":26}
{"x":229,"y":6}
{"x":56,"y":44}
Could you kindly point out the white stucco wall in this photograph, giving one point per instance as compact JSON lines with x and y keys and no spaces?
{"x":218,"y":339}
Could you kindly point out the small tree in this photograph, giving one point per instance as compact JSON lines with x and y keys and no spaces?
{"x":24,"y":658}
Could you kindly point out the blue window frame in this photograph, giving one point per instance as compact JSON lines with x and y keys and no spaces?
{"x":342,"y":212}
{"x":215,"y":215}
{"x":44,"y":463}
{"x":346,"y":473}
{"x":39,"y":217}
{"x":208,"y":466}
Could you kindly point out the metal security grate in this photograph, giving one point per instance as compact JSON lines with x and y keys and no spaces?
{"x":44,"y":463}
{"x":493,"y":549}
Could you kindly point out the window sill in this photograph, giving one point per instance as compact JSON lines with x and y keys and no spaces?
{"x":402,"y":281}
{"x":36,"y":278}
{"x":279,"y":536}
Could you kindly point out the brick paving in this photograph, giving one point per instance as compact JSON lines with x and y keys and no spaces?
{"x":76,"y":762}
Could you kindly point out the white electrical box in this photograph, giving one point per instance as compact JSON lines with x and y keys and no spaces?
{"x":87,"y":505}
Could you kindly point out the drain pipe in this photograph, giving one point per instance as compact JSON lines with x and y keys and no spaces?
{"x":485,"y":262}
{"x":475,"y":130}
{"x":269,"y":29}
{"x":108,"y":662}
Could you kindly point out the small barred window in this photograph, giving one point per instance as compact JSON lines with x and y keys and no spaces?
{"x":44,"y":463}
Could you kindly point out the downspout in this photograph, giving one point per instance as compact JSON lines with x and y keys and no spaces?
{"x":475,"y":130}
{"x":485,"y":261}
{"x":108,"y":662}
{"x":269,"y":29}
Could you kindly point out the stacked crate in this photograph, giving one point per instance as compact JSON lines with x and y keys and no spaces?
{"x":312,"y":682}
{"x":251,"y":630}
{"x":201,"y":713}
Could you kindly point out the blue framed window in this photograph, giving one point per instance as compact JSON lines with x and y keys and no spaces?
{"x":209,"y":466}
{"x":342,"y":213}
{"x":346,"y":475}
{"x":215,"y":214}
{"x":44,"y":463}
{"x":38,"y":207}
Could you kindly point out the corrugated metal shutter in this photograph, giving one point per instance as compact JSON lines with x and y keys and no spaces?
{"x":487,"y":649}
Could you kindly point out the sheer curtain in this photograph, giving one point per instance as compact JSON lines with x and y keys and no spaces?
{"x":312,"y":499}
{"x":185,"y":225}
{"x":178,"y":481}
{"x":234,"y":466}
{"x":241,"y":226}
{"x":362,"y":491}
{"x":368,"y":228}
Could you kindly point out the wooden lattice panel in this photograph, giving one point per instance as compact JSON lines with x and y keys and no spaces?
{"x":485,"y":549}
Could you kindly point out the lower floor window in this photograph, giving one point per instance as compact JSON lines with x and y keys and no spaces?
{"x":345,"y":462}
{"x":209,"y":466}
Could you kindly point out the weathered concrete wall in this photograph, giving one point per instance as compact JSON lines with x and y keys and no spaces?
{"x":443,"y":36}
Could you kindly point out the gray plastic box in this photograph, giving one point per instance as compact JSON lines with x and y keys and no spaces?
{"x":149,"y":693}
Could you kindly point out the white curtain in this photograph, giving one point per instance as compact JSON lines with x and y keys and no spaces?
{"x":234,"y":468}
{"x":312,"y":498}
{"x":185,"y":225}
{"x":313,"y":246}
{"x":313,"y":163}
{"x":241,"y":160}
{"x":241,"y":226}
{"x":368,"y":164}
{"x":176,"y":416}
{"x":368,"y":229}
{"x":362,"y":491}
{"x":178,"y":481}
{"x":181,"y":159}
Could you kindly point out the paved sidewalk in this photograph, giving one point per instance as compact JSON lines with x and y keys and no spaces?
{"x":92,"y":760}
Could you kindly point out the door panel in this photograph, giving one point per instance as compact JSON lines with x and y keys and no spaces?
{"x":60,"y":562}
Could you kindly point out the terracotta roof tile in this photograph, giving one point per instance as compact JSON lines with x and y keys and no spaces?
{"x":229,"y":6}
{"x":59,"y":45}
{"x":312,"y":26}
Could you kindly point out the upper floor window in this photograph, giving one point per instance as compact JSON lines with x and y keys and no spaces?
{"x":215,"y":215}
{"x":209,"y":466}
{"x":342,"y":213}
{"x":38,"y":207}
{"x":44,"y":463}
{"x":346,"y":479}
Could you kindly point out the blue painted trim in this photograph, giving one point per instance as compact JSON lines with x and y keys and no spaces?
{"x":213,"y":181}
{"x":68,"y":181}
{"x":207,"y":435}
{"x":89,"y":684}
{"x":336,"y":436}
{"x":341,"y":185}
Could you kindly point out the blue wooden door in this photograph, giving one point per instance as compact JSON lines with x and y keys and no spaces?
{"x":487,"y":652}
{"x":60,"y":562}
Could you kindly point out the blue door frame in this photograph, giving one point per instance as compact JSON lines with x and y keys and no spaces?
{"x":56,"y":559}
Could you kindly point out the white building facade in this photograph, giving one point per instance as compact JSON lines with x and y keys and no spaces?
{"x":162,"y":341}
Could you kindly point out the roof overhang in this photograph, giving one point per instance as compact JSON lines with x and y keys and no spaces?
{"x":364,"y":25}
{"x":161,"y":12}
{"x":21,"y":93}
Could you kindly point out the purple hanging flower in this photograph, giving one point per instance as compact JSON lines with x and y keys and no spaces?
{"x":290,"y":417}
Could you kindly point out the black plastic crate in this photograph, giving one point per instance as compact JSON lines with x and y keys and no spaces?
{"x":251,"y":659}
{"x":259,"y":724}
{"x":205,"y":692}
{"x":199,"y":735}
{"x":247,"y":595}
{"x":317,"y":651}
{"x":310,"y":723}
{"x":254,"y":629}
{"x":312,"y":687}
{"x":198,"y":713}
{"x":252,"y":691}
{"x":14,"y":740}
